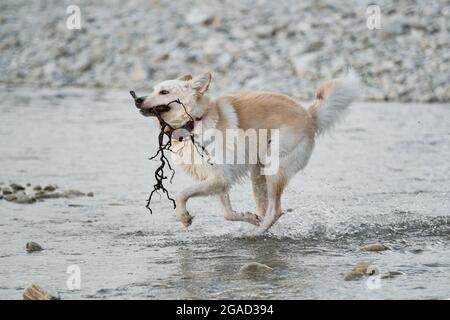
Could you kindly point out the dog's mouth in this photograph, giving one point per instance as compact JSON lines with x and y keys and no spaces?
{"x":151,"y":112}
{"x":147,"y":112}
{"x":156,"y":111}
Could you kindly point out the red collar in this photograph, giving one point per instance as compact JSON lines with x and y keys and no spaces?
{"x":189,"y":126}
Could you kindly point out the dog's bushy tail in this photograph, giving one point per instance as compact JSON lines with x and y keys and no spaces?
{"x":332,"y":99}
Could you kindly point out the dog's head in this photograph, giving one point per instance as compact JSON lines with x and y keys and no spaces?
{"x":186,"y":89}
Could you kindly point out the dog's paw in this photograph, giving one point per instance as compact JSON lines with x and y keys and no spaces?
{"x":186,"y":219}
{"x":252,"y":218}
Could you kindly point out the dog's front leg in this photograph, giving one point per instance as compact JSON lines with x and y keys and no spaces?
{"x":211,"y":186}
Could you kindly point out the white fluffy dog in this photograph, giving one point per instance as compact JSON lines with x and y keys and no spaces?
{"x":291,"y":129}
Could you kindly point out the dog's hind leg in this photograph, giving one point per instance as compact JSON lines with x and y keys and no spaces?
{"x":275,"y":186}
{"x":259,"y":185}
{"x":232,"y":215}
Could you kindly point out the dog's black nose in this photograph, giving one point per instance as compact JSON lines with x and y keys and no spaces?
{"x":138,"y":101}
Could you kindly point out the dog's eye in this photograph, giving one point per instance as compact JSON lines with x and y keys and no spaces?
{"x":164,"y":92}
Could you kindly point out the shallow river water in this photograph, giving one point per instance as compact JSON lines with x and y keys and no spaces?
{"x":381,"y":176}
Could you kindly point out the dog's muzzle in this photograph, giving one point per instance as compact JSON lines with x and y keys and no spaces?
{"x":139,"y":101}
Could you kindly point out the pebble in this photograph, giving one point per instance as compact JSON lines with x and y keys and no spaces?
{"x":16,"y":193}
{"x":376,"y":247}
{"x":365,"y":269}
{"x":391,"y":274}
{"x":45,"y":195}
{"x":33,"y":246}
{"x":349,"y":276}
{"x":50,"y":188}
{"x":16,"y":187}
{"x":361,"y":267}
{"x":24,"y":199}
{"x":73,"y":193}
{"x":255,"y":267}
{"x":10,"y":197}
{"x":6,"y":191}
{"x":199,"y":16}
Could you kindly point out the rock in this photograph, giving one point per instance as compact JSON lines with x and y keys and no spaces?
{"x":264,"y":31}
{"x":361,"y":267}
{"x":1,"y":196}
{"x":391,"y":274}
{"x":90,"y":194}
{"x":10,"y":197}
{"x":37,"y":188}
{"x":255,"y":267}
{"x":376,"y":247}
{"x":36,"y":293}
{"x":33,"y":246}
{"x":28,"y":184}
{"x":200,"y":16}
{"x":43,"y":195}
{"x":6,"y":191}
{"x":73,"y":194}
{"x":349,"y":276}
{"x":394,"y":28}
{"x":24,"y":199}
{"x":16,"y":187}
{"x":50,"y":188}
{"x":74,"y":205}
{"x":361,"y":270}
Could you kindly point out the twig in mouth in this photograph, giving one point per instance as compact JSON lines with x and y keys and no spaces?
{"x":166,"y":146}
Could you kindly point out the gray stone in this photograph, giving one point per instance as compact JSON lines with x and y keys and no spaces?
{"x":24,"y":199}
{"x":50,"y":188}
{"x":375,"y":247}
{"x":16,"y":187}
{"x":255,"y":267}
{"x":10,"y":197}
{"x":44,"y":195}
{"x":349,"y":276}
{"x":199,"y":16}
{"x":33,"y":246}
{"x":73,"y":193}
{"x":391,"y":274}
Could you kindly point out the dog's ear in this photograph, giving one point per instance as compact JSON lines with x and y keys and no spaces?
{"x":186,"y":77}
{"x":201,"y":82}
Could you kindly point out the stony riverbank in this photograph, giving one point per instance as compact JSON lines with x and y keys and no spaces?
{"x":284,"y":46}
